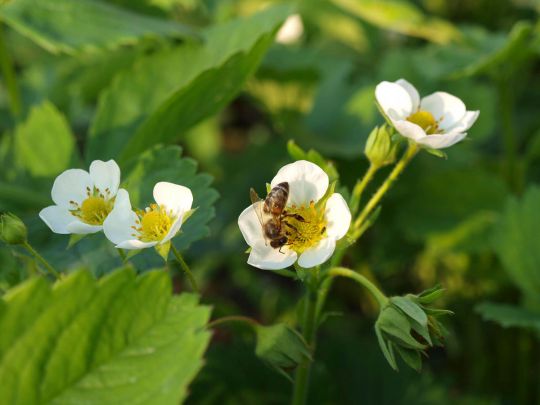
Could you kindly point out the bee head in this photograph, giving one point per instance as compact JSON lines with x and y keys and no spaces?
{"x":277,"y":243}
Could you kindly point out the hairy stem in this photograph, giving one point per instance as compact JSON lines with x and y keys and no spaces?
{"x":185,"y":267}
{"x":360,"y":279}
{"x":42,"y":260}
{"x":360,"y":187}
{"x":10,"y":77}
{"x":392,"y":177}
{"x":232,"y":318}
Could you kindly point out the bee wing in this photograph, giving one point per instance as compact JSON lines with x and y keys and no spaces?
{"x":257,"y":203}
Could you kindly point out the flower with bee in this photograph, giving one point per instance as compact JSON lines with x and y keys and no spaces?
{"x":301,"y":219}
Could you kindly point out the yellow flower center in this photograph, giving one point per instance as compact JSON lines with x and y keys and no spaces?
{"x":424,"y":120}
{"x":95,"y":208}
{"x":306,"y":226}
{"x":153,"y":224}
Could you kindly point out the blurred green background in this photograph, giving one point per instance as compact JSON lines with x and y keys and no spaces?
{"x":77,"y":71}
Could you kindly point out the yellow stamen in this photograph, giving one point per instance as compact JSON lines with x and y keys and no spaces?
{"x":94,"y":209}
{"x":154,"y":223}
{"x":305,"y":234}
{"x":424,"y":120}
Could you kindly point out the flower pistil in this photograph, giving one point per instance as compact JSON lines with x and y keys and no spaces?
{"x":153,"y":223}
{"x":95,"y":208}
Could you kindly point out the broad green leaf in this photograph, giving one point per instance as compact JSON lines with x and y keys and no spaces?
{"x":195,"y":81}
{"x":517,"y":243}
{"x":84,"y":25}
{"x":401,"y":17}
{"x":44,"y":144}
{"x":509,"y":315}
{"x":122,"y":339}
{"x":166,"y":164}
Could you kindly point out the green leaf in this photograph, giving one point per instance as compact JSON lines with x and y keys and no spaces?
{"x":509,"y":316}
{"x":84,"y":25}
{"x":281,"y":347}
{"x":411,"y":309}
{"x":516,"y":241}
{"x":122,"y":339}
{"x":166,"y":164}
{"x":138,"y":111}
{"x":44,"y":144}
{"x":402,"y":17}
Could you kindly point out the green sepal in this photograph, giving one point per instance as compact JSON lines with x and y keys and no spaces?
{"x":132,"y":253}
{"x":74,"y":239}
{"x":411,"y":309}
{"x":320,"y":205}
{"x":430,"y":295}
{"x":297,"y":153}
{"x":386,"y":349}
{"x":411,"y":357}
{"x":436,"y":152}
{"x":396,"y":327}
{"x":189,"y":213}
{"x":268,"y":188}
{"x":163,"y":250}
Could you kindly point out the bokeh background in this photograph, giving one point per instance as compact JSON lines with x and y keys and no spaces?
{"x":470,"y":222}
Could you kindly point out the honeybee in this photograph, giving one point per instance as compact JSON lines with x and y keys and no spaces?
{"x":271,"y":212}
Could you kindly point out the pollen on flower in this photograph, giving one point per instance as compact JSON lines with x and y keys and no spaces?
{"x":306,"y":226}
{"x":153,"y":223}
{"x":95,"y":208}
{"x":424,"y":120}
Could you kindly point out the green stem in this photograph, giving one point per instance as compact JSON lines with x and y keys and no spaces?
{"x":372,"y":288}
{"x":10,"y":78}
{"x":361,"y":186}
{"x":41,"y":259}
{"x":185,"y":267}
{"x":509,"y":135}
{"x":392,"y":177}
{"x":122,"y":255}
{"x":309,"y":327}
{"x":232,"y":318}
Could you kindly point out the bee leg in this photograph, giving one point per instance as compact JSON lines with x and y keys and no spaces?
{"x":280,"y":250}
{"x":291,"y":226}
{"x":298,"y":217}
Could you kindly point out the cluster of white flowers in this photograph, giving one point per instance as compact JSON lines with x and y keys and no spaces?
{"x":310,"y":221}
{"x":88,"y":202}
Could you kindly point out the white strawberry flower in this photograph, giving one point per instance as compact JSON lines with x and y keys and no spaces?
{"x":291,"y":30}
{"x":156,"y":224}
{"x":436,"y":121}
{"x":82,"y":199}
{"x":311,"y":241}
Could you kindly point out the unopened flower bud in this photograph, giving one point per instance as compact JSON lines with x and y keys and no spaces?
{"x":12,"y":229}
{"x":381,"y":149}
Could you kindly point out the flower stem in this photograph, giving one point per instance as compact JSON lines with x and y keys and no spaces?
{"x":392,"y":177}
{"x":309,"y":326}
{"x":10,"y":78}
{"x":372,"y":288}
{"x":186,"y":269}
{"x":41,"y":259}
{"x":122,"y":255}
{"x":232,"y":318}
{"x":361,"y":186}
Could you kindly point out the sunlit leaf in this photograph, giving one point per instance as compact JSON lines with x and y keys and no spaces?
{"x":123,"y":339}
{"x":509,"y":316}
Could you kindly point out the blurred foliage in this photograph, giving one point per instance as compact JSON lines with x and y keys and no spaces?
{"x":131,"y":80}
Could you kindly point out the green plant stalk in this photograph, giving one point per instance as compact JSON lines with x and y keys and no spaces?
{"x":361,"y":186}
{"x":360,"y":279}
{"x":10,"y":77}
{"x":41,"y":259}
{"x":185,"y":267}
{"x":309,"y":327}
{"x":509,"y":135}
{"x":122,"y":255}
{"x":409,"y":154}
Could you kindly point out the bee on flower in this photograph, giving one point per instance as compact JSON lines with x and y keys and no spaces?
{"x":437,"y":121}
{"x":301,"y":219}
{"x":83,"y":200}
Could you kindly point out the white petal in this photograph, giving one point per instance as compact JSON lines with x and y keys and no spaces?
{"x":466,"y":122}
{"x":133,"y":244}
{"x":268,"y":258}
{"x":442,"y":141}
{"x":251,"y":227}
{"x":307,"y":181}
{"x":79,"y":227}
{"x":105,"y":175}
{"x":173,"y":196}
{"x":317,"y":254}
{"x":394,"y":100}
{"x":118,"y":224}
{"x":409,"y":130}
{"x":445,"y":108}
{"x":413,"y":93}
{"x":71,"y":185}
{"x":175,"y":227}
{"x":57,"y":218}
{"x":338,"y":216}
{"x":291,"y":30}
